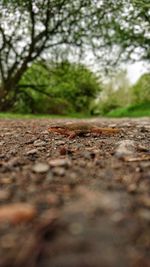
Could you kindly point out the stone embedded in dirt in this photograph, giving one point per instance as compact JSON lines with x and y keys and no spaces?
{"x":142,"y":148}
{"x":17,"y":213}
{"x":31,"y":152}
{"x":8,"y":134}
{"x":60,"y":142}
{"x":136,"y":159}
{"x":144,"y":214}
{"x":112,"y":125}
{"x":132,"y":188}
{"x":6,"y":180}
{"x":45,"y":132}
{"x":2,"y":143}
{"x":40,"y":167}
{"x":144,"y":201}
{"x":125,"y":148}
{"x":13,"y":162}
{"x":60,"y":162}
{"x":4,"y":195}
{"x":59,"y":171}
{"x":38,"y":143}
{"x":30,"y":141}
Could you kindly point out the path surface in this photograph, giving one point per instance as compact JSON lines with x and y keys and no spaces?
{"x":82,"y":202}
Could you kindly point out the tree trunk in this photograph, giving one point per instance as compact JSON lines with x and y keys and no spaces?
{"x":3,"y":97}
{"x":8,"y":90}
{"x":7,"y":96}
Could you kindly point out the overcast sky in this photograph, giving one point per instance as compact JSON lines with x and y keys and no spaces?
{"x":135,"y":71}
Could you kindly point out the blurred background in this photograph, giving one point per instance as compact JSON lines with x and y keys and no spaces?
{"x":80,"y":58}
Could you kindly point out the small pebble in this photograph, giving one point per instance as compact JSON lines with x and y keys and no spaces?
{"x":6,"y":180}
{"x":40,"y":167}
{"x":132,"y":188}
{"x":13,"y":162}
{"x":145,"y":201}
{"x":31,"y":152}
{"x":17,"y":213}
{"x":4,"y":195}
{"x":125,"y":148}
{"x":60,"y":163}
{"x":38,"y":143}
{"x":59,"y":171}
{"x":60,"y":142}
{"x":144,"y":214}
{"x":2,"y":143}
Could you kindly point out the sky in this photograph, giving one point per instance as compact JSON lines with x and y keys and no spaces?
{"x":135,"y":70}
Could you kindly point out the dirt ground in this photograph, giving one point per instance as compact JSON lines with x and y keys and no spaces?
{"x":81,"y":202}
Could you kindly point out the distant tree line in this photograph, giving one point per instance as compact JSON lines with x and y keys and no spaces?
{"x":115,"y":30}
{"x":56,"y":88}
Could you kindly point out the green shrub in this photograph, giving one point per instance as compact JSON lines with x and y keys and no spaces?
{"x":116,"y":93}
{"x":138,"y":110}
{"x":59,"y":88}
{"x":141,"y":90}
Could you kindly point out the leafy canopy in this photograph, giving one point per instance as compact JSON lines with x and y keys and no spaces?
{"x":141,"y":90}
{"x":57,"y":88}
{"x":128,"y":28}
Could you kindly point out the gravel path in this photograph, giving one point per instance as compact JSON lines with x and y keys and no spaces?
{"x":81,"y":202}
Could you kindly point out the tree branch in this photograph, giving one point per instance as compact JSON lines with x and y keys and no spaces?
{"x":37,"y":88}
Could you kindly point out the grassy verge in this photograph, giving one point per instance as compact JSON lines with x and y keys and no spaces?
{"x":141,"y":110}
{"x":40,"y":116}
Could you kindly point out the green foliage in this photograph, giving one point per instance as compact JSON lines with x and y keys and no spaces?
{"x":139,"y":110}
{"x":141,"y":90}
{"x":116,"y":93}
{"x":7,"y":115}
{"x":127,"y":29}
{"x":126,"y":101}
{"x":77,"y":84}
{"x":31,"y":30}
{"x":60,"y":88}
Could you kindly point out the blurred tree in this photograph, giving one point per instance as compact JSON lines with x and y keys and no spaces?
{"x":58,"y":88}
{"x":115,"y":29}
{"x":116,"y":93}
{"x":141,"y":90}
{"x":75,"y":83}
{"x":30,"y":29}
{"x":128,"y":29}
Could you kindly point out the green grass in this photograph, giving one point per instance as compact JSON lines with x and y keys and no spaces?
{"x":140,"y":110}
{"x":7,"y":115}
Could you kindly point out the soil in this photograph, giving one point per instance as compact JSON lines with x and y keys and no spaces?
{"x":81,"y":202}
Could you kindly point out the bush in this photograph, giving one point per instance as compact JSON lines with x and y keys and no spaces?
{"x":59,"y":88}
{"x":141,"y":90}
{"x":116,"y":93}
